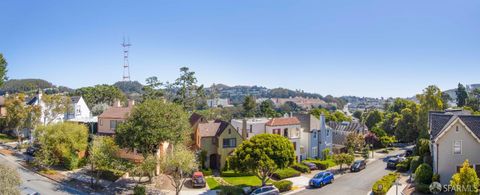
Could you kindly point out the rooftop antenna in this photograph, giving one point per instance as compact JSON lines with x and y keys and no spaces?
{"x":126,"y":65}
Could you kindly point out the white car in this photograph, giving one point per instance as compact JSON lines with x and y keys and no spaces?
{"x":266,"y":190}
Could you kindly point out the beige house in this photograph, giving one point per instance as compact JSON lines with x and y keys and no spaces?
{"x":290,"y":128}
{"x":219,"y":139}
{"x":455,"y":137}
{"x":112,"y":116}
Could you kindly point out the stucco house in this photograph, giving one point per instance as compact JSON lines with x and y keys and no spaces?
{"x":455,"y":137}
{"x":316,"y":135}
{"x":290,"y":128}
{"x":252,"y":126}
{"x":112,"y":116}
{"x":196,"y":119}
{"x":79,"y":110}
{"x":218,"y":139}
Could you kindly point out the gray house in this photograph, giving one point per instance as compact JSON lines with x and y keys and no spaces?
{"x":455,"y":137}
{"x":316,"y":135}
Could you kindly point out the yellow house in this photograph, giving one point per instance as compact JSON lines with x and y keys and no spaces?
{"x":219,"y":139}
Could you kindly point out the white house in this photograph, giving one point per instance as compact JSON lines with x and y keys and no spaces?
{"x":316,"y":135}
{"x":79,"y":111}
{"x":253,"y":126}
{"x":218,"y":102}
{"x":37,"y":100}
{"x":290,"y":128}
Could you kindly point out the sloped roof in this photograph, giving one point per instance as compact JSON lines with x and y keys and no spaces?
{"x":194,"y":118}
{"x":473,"y":123}
{"x":283,"y":121}
{"x":32,"y":101}
{"x":348,"y":127}
{"x":75,"y":99}
{"x":116,"y":112}
{"x":208,"y":129}
{"x":438,"y":121}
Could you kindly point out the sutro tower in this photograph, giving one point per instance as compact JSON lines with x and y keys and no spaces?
{"x":126,"y":65}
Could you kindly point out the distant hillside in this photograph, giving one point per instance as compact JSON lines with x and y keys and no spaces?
{"x":30,"y":85}
{"x":129,"y":87}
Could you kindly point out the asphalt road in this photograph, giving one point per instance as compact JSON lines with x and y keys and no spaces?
{"x":359,"y":183}
{"x":36,"y":182}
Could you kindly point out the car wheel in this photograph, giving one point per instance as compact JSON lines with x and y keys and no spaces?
{"x":321,"y":184}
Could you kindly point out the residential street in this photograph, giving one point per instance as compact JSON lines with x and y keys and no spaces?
{"x":36,"y":182}
{"x":359,"y":183}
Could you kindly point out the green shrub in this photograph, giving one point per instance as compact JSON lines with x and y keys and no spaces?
{"x":422,"y":188}
{"x":415,"y":162}
{"x":386,"y":182}
{"x":234,"y":174}
{"x":285,"y":173}
{"x":283,"y":186}
{"x":424,"y":174}
{"x":322,"y":164}
{"x":230,"y":190}
{"x":301,"y":167}
{"x":72,"y":162}
{"x":139,"y":190}
{"x":404,"y":166}
{"x":436,"y":177}
{"x":207,"y":172}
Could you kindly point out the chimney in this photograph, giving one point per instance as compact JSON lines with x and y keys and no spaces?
{"x":291,"y":114}
{"x":244,"y":128}
{"x":131,"y":103}
{"x":323,"y":125}
{"x":117,"y":103}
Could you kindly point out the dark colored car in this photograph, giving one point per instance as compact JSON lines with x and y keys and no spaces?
{"x":392,"y":163}
{"x":310,"y":165}
{"x":409,"y":152}
{"x":358,"y":165}
{"x":321,"y":179}
{"x":32,"y":150}
{"x":198,"y":180}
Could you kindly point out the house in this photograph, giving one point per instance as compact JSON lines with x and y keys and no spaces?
{"x":316,"y":135}
{"x":196,"y":119}
{"x":219,"y":102}
{"x":290,"y":128}
{"x":455,"y":137}
{"x":218,"y":139}
{"x":79,"y":110}
{"x":112,"y":116}
{"x":340,"y":131}
{"x":252,"y":126}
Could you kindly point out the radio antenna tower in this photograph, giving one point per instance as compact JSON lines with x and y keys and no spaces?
{"x":126,"y":65}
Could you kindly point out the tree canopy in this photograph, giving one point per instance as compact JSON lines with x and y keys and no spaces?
{"x":3,"y":69}
{"x":462,"y":95}
{"x":249,"y":106}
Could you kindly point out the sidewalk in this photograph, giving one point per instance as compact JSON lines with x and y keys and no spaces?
{"x":402,"y":184}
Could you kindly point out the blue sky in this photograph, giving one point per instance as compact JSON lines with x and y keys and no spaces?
{"x":366,"y":48}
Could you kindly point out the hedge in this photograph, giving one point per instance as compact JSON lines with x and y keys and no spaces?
{"x":424,"y":174}
{"x":422,"y":188}
{"x":301,"y":167}
{"x":322,"y":164}
{"x":230,"y":190}
{"x":207,"y":172}
{"x":139,"y":190}
{"x":404,"y":166}
{"x":285,"y":173}
{"x":415,"y":162}
{"x":386,"y":182}
{"x":283,"y":186}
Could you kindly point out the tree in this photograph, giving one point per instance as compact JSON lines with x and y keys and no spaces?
{"x":407,"y":130}
{"x":61,"y":143}
{"x":262,"y":155}
{"x":54,"y":106}
{"x":249,"y":106}
{"x":153,"y":89}
{"x":3,"y":69}
{"x":430,"y":100}
{"x":358,"y":114}
{"x":387,"y":140}
{"x":462,"y":95}
{"x":355,"y":141}
{"x":339,"y":116}
{"x":423,"y":174}
{"x":150,"y":124}
{"x":102,"y":153}
{"x":20,"y":115}
{"x":389,"y":123}
{"x":373,"y":118}
{"x":466,"y":181}
{"x":188,"y":93}
{"x":9,"y":180}
{"x":343,"y":158}
{"x":267,"y":109}
{"x":178,"y":164}
{"x":446,"y":99}
{"x":100,"y":94}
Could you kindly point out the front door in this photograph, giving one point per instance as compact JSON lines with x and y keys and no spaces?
{"x":213,"y":161}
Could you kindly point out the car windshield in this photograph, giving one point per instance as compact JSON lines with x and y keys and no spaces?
{"x":320,"y":175}
{"x":393,"y":160}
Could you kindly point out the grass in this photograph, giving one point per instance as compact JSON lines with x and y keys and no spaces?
{"x":6,"y":138}
{"x":212,"y":183}
{"x":243,"y":181}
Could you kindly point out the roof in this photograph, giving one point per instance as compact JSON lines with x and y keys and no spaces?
{"x":75,"y":99}
{"x":348,"y":126}
{"x":473,"y":123}
{"x":208,"y":129}
{"x":194,"y":118}
{"x":440,"y":120}
{"x":32,"y":101}
{"x":283,"y":121}
{"x":116,"y":112}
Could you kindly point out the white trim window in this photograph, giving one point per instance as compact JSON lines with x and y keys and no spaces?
{"x":314,"y":151}
{"x":457,"y":147}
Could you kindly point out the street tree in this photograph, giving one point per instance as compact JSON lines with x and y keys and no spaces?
{"x":20,"y":115}
{"x":9,"y":180}
{"x":249,"y":106}
{"x":373,"y":118}
{"x":406,"y":129}
{"x":462,"y":95}
{"x":100,"y":94}
{"x":430,"y":100}
{"x":3,"y":69}
{"x":358,"y":114}
{"x":466,"y":181}
{"x":102,"y":155}
{"x":150,"y":124}
{"x":343,"y":158}
{"x":262,"y":155}
{"x":55,"y":106}
{"x":178,"y":164}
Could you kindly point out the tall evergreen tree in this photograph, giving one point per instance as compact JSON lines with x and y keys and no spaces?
{"x":3,"y":69}
{"x":462,"y":95}
{"x":249,"y":106}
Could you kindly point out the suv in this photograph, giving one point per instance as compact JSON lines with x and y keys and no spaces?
{"x":358,"y":165}
{"x":198,"y":180}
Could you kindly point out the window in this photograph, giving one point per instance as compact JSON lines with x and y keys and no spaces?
{"x":314,"y":135}
{"x":229,"y":143}
{"x":457,"y":147}
{"x":113,"y":124}
{"x":229,"y":131}
{"x":295,"y":146}
{"x":251,"y":128}
{"x":477,"y":169}
{"x":276,"y":131}
{"x":328,"y":132}
{"x":285,"y":132}
{"x":314,"y":151}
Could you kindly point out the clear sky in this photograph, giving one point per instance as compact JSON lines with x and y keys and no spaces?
{"x":365,"y":48}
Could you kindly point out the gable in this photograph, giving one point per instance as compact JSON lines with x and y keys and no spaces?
{"x":451,"y":128}
{"x":230,"y":132}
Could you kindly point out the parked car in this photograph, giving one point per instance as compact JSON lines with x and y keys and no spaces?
{"x":266,"y":190}
{"x":310,"y":165}
{"x":32,"y":150}
{"x":392,"y":162}
{"x":321,"y":179}
{"x":409,"y":152}
{"x":358,"y":165}
{"x":198,"y":180}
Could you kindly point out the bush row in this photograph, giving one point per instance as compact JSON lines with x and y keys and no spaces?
{"x":301,"y":167}
{"x":382,"y":186}
{"x":322,"y":164}
{"x":283,"y":186}
{"x":285,"y":173}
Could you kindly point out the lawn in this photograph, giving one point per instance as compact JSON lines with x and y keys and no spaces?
{"x":243,"y":181}
{"x":212,"y":184}
{"x":6,"y":138}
